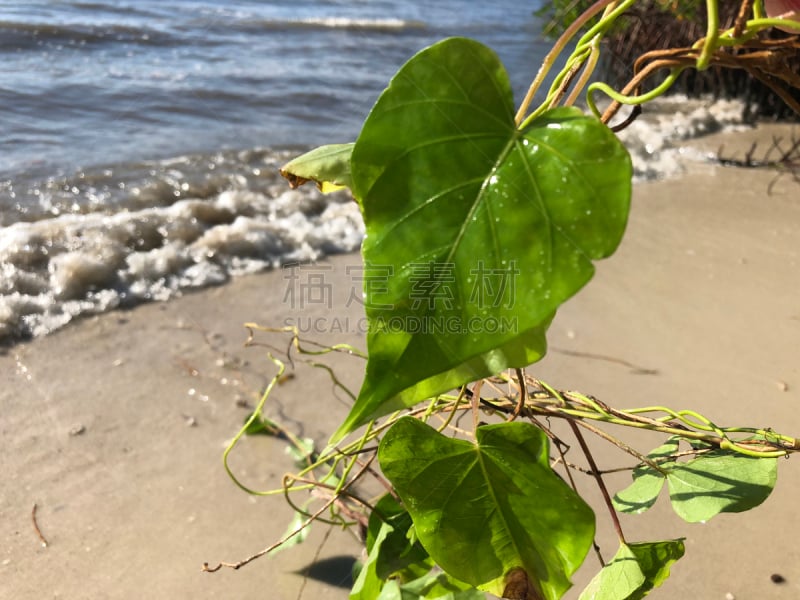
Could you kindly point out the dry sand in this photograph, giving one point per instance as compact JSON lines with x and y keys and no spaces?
{"x":114,"y":427}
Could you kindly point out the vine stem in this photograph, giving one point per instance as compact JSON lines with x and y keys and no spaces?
{"x":238,"y":565}
{"x":550,"y":59}
{"x":712,"y":35}
{"x":255,"y":414}
{"x":522,"y":395}
{"x":568,"y":469}
{"x":741,"y":18}
{"x":599,"y":478}
{"x":586,"y":75}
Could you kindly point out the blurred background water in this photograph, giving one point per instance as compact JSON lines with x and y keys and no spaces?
{"x":99,"y":82}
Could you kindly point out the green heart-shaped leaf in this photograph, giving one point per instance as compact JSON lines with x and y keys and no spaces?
{"x":476,"y":231}
{"x":701,"y":488}
{"x":485,"y":510}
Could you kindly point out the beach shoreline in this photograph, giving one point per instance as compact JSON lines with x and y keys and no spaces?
{"x":114,"y":426}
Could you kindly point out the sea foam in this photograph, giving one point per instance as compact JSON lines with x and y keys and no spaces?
{"x":56,"y":269}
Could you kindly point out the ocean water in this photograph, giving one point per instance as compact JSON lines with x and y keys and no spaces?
{"x":141,"y":139}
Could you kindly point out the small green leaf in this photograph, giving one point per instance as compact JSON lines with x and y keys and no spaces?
{"x":720,"y":482}
{"x":647,"y":482}
{"x":655,"y":560}
{"x":389,"y":551}
{"x":368,"y":585}
{"x":618,"y":580}
{"x":391,"y":591}
{"x":476,"y":230}
{"x":634,"y":571}
{"x":397,"y":551}
{"x":482,"y":510}
{"x":328,"y":166}
{"x":303,"y":453}
{"x":261,"y":425}
{"x":434,"y":585}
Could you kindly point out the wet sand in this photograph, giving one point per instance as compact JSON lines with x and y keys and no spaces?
{"x":114,"y":427}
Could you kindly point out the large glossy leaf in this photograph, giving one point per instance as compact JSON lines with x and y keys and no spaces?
{"x":486,"y":510}
{"x":476,"y":231}
{"x":634,"y":571}
{"x":712,"y":483}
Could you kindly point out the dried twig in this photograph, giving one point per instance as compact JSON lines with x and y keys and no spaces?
{"x":291,"y":534}
{"x":36,"y":527}
{"x":776,"y":158}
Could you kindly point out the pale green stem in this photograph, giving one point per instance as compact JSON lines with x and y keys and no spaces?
{"x":582,"y":52}
{"x":718,"y":438}
{"x":630,"y":100}
{"x":431,"y":409}
{"x":588,"y":70}
{"x":334,"y":378}
{"x":621,"y":445}
{"x":730,"y":445}
{"x":552,"y":55}
{"x":712,"y":34}
{"x":454,"y":409}
{"x":256,"y":413}
{"x":359,"y":446}
{"x":765,"y":23}
{"x":609,"y":16}
{"x":561,"y":81}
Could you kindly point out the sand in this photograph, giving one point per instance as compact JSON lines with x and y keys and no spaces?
{"x":114,"y":427}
